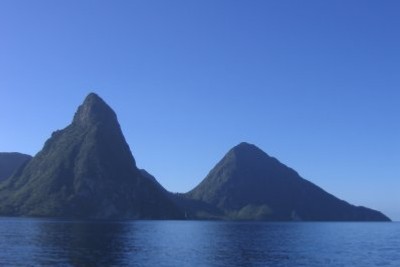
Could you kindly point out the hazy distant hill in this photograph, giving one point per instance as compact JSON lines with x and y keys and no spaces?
{"x":86,"y":171}
{"x":10,"y":162}
{"x":250,"y":185}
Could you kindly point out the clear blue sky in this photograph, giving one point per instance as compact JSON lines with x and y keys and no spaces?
{"x":314,"y":83}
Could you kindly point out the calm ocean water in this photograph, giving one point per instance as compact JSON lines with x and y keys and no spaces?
{"x":44,"y":242}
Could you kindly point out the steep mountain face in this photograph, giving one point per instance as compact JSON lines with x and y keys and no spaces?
{"x":86,"y":171}
{"x":248,"y":184}
{"x":11,"y":162}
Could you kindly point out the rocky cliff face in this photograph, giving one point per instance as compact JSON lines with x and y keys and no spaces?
{"x":248,"y":184}
{"x":86,"y":171}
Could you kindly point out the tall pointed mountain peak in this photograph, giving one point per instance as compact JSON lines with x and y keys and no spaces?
{"x":86,"y":170}
{"x":93,"y":110}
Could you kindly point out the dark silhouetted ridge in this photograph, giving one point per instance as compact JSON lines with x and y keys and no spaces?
{"x":248,"y":184}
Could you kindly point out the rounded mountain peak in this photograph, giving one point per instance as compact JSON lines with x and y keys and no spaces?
{"x":247,"y":150}
{"x":246,"y":146}
{"x":94,"y":109}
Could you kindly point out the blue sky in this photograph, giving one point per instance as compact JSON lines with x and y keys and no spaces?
{"x":314,"y":83}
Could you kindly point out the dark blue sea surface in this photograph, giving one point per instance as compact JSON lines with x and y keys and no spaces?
{"x":46,"y":242}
